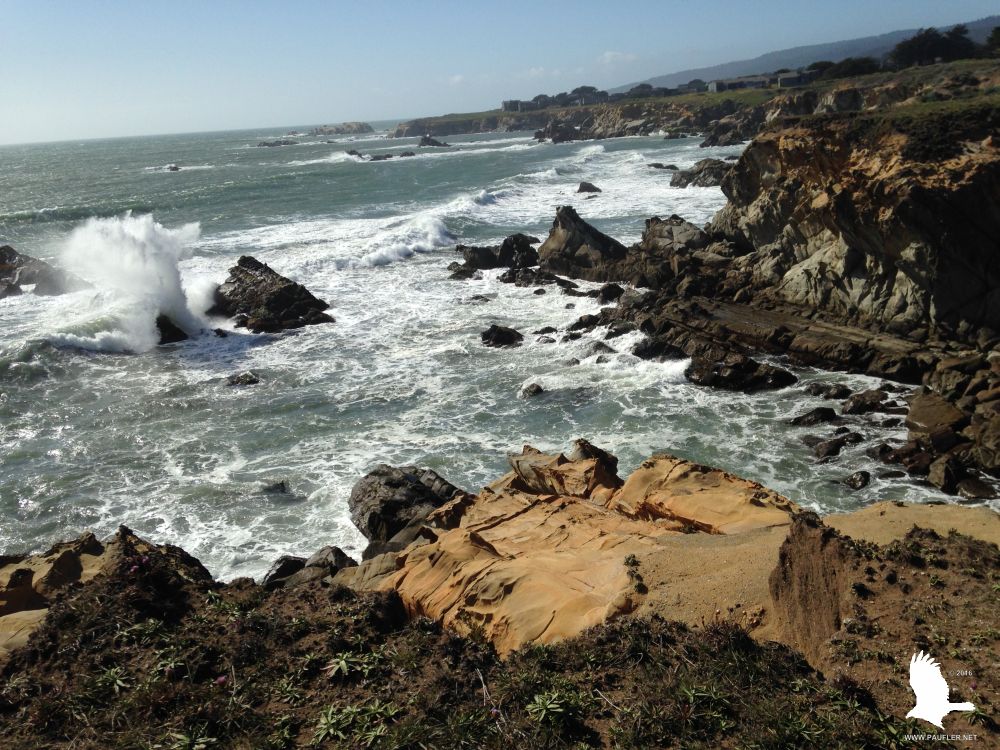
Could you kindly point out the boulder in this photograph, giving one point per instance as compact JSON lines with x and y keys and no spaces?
{"x":858,"y":480}
{"x":170,"y":332}
{"x":8,"y":289}
{"x":243,"y":378}
{"x":930,"y":412}
{"x":265,"y":301}
{"x":829,"y":390}
{"x":705,"y":173}
{"x":945,"y":473}
{"x":532,"y":389}
{"x":574,"y":246}
{"x":866,"y":402}
{"x":816,"y":416}
{"x":588,"y":187}
{"x":280,"y":570}
{"x":390,"y":498}
{"x":660,"y":165}
{"x":609,"y":293}
{"x":328,"y":561}
{"x":501,"y":336}
{"x":737,"y":372}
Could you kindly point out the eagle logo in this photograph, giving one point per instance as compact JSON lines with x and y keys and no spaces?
{"x":931,"y":691}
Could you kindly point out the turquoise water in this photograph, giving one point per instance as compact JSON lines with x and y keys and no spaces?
{"x":99,"y":427}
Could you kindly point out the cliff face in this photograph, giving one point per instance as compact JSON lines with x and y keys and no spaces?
{"x":892,"y":223}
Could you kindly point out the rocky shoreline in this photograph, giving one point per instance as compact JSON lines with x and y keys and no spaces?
{"x":565,"y":603}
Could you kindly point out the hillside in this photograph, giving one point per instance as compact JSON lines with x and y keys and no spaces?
{"x":797,"y":57}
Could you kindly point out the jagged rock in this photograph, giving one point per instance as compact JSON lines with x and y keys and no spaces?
{"x":406,"y":154}
{"x":737,"y":372}
{"x":930,"y":412}
{"x":532,"y":389}
{"x":858,"y":480}
{"x":170,"y":333}
{"x":276,"y":143}
{"x":866,"y":402}
{"x":8,"y":289}
{"x":975,"y":490}
{"x":264,"y":300}
{"x":501,"y":336}
{"x":660,"y":165}
{"x":659,"y":349}
{"x":389,"y":498}
{"x":945,"y":473}
{"x":609,"y":293}
{"x":344,"y":128}
{"x":829,"y":390}
{"x":380,"y":157}
{"x":280,"y":570}
{"x":243,"y":378}
{"x":321,"y":564}
{"x":831,"y":447}
{"x":17,"y":270}
{"x":559,"y":132}
{"x":428,"y":141}
{"x":705,"y":173}
{"x":588,"y":187}
{"x":816,"y":416}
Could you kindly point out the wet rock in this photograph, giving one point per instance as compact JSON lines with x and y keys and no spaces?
{"x":533,"y":389}
{"x":975,"y":490}
{"x":819,"y":415}
{"x":738,"y":372}
{"x":265,"y":301}
{"x":18,"y":269}
{"x":427,"y":141}
{"x":406,"y":154}
{"x":830,"y":448}
{"x":609,"y":293}
{"x":930,"y":412}
{"x":588,"y":187}
{"x":879,"y":452}
{"x":380,"y":157}
{"x":546,"y":340}
{"x":705,"y":173}
{"x":892,"y":474}
{"x":501,"y":336}
{"x":170,"y":332}
{"x":276,"y":143}
{"x":243,"y":378}
{"x":865,"y":402}
{"x":9,"y":290}
{"x":858,"y":480}
{"x":660,"y":165}
{"x":829,"y":390}
{"x":658,"y":348}
{"x":545,"y":330}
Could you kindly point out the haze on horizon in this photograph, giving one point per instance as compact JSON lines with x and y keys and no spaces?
{"x":111,"y":68}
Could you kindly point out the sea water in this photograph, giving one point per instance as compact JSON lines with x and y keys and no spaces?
{"x":101,"y":427}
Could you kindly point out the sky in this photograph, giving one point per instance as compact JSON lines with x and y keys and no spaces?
{"x":76,"y":70}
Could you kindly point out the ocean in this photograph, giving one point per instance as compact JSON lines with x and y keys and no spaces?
{"x":101,"y":427}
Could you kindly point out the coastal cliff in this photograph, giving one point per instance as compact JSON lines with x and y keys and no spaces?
{"x":645,"y":590}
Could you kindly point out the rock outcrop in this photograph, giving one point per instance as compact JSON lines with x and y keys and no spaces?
{"x":18,"y":270}
{"x":515,"y":252}
{"x":265,"y":301}
{"x":426,"y":141}
{"x":704,"y":173}
{"x":344,"y":128}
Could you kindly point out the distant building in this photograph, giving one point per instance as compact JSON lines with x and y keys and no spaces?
{"x":746,"y":82}
{"x":798,"y":78}
{"x":518,"y":105}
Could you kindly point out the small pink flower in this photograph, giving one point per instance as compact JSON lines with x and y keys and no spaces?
{"x":220,"y":680}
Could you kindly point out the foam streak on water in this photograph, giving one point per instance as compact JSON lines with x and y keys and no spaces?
{"x":95,"y":434}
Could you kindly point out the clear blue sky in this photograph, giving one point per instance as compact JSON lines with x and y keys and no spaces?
{"x":100,"y":68}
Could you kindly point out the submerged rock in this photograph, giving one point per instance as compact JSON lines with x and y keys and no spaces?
{"x":737,"y":372}
{"x":170,"y":332}
{"x":428,"y":141}
{"x":243,"y":378}
{"x":265,"y":301}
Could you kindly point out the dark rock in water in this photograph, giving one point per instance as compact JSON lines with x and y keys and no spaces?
{"x":599,"y":347}
{"x":619,"y":329}
{"x":269,"y":301}
{"x":501,"y":336}
{"x":588,"y":187}
{"x":354,"y":152}
{"x":585,"y":323}
{"x":220,"y":333}
{"x":892,"y":474}
{"x":879,"y":452}
{"x":892,"y":422}
{"x":858,"y":480}
{"x":275,"y":143}
{"x":463,"y":272}
{"x":732,"y":157}
{"x":170,"y":333}
{"x":658,"y":348}
{"x":573,"y":244}
{"x":546,"y":340}
{"x":829,"y":390}
{"x":277,"y":488}
{"x":539,"y":292}
{"x":173,"y":168}
{"x":975,"y":489}
{"x":243,"y":378}
{"x":658,"y":165}
{"x":516,"y":251}
{"x":609,"y":293}
{"x":811,"y":440}
{"x":530,"y":390}
{"x":559,"y":132}
{"x":282,"y":568}
{"x":479,"y":299}
{"x":705,"y":173}
{"x":406,"y":154}
{"x":737,"y":372}
{"x":816,"y":416}
{"x":865,"y":402}
{"x":380,"y":157}
{"x":546,"y":329}
{"x":9,"y":290}
{"x":829,"y":448}
{"x":919,"y":463}
{"x":432,"y":142}
{"x":19,"y":270}
{"x":390,"y":498}
{"x":480,"y":258}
